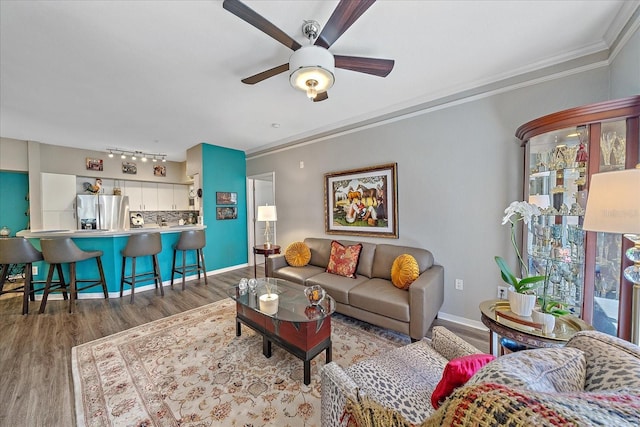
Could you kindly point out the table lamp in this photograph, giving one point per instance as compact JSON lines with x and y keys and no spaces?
{"x":613,"y":206}
{"x":266,"y":214}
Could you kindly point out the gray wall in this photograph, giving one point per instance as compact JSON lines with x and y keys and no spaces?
{"x":625,"y":69}
{"x":459,"y":167}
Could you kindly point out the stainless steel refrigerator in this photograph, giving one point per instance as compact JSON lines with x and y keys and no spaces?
{"x":102,"y":212}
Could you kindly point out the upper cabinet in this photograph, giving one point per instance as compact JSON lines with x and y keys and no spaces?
{"x":173,"y":197}
{"x":58,"y":198}
{"x":143,"y":196}
{"x":562,"y":151}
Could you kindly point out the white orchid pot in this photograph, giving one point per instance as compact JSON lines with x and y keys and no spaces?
{"x":521,"y":304}
{"x":547,"y":320}
{"x":269,"y":303}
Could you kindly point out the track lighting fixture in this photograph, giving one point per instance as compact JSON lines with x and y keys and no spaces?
{"x":134,"y":154}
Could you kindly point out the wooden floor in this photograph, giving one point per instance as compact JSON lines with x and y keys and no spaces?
{"x":36,"y":386}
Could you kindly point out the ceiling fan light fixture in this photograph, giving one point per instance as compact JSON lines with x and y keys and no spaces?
{"x":312,"y":69}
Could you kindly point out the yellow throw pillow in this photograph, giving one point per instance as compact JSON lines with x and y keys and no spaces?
{"x":404,"y":271}
{"x":297,"y":254}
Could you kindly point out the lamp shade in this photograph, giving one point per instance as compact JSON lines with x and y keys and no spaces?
{"x":311,"y":67}
{"x":267,"y":213}
{"x":613,"y":203}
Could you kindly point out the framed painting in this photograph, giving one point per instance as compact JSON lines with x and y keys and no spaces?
{"x":362,"y":202}
{"x":129,"y":168}
{"x":159,"y":170}
{"x":94,"y":164}
{"x":226,"y":213}
{"x":226,"y":198}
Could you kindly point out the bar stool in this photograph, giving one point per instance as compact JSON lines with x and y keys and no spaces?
{"x":144,"y":244}
{"x":189,"y":240}
{"x":18,"y":250}
{"x":64,"y":251}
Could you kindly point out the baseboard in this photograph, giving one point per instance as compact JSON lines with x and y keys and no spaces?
{"x":462,"y":321}
{"x":146,"y":287}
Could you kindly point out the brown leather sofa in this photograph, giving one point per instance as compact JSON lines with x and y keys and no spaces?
{"x":371,"y":296}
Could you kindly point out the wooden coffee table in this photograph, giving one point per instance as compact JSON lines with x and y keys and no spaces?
{"x":299,"y":328}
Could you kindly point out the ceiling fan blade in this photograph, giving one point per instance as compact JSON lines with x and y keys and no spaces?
{"x":345,"y":14}
{"x":376,"y":66}
{"x":247,"y":14}
{"x":257,"y":78}
{"x":321,"y":97}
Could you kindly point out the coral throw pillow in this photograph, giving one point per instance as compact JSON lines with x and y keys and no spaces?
{"x":343,"y":260}
{"x":297,"y":254}
{"x":456,"y":374}
{"x":404,"y":271}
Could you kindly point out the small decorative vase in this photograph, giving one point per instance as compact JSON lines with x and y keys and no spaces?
{"x":547,"y":320}
{"x":521,"y":304}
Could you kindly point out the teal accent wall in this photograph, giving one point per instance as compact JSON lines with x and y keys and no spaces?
{"x":14,"y":187}
{"x":224,"y":169}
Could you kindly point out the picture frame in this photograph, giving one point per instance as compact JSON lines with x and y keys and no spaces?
{"x":362,"y":202}
{"x":223,"y":213}
{"x":226,"y":198}
{"x":94,"y":164}
{"x":159,"y":170}
{"x":129,"y":168}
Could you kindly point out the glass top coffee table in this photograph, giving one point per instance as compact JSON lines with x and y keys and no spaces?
{"x":304,"y":330}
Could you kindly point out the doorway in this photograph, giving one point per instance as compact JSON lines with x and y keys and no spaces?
{"x":261,"y":190}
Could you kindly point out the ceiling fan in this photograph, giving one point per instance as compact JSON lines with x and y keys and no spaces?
{"x":312,"y":67}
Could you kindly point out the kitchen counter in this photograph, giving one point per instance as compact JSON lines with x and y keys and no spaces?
{"x":39,"y":234}
{"x":111,"y":243}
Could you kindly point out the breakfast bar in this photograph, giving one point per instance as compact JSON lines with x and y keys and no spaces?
{"x":111,"y":243}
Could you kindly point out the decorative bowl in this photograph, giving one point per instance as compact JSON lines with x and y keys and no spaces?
{"x":314,"y":294}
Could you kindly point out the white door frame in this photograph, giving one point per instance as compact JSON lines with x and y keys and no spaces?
{"x":252,"y":199}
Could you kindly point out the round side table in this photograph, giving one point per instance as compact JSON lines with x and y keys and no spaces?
{"x":266,"y":251}
{"x":497,"y":316}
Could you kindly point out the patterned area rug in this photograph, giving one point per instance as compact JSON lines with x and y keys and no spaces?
{"x":191,"y":370}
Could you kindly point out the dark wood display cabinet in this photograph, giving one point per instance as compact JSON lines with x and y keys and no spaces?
{"x":561,"y":153}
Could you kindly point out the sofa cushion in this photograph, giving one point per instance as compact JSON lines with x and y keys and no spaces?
{"x":611,"y":362}
{"x":543,"y":369}
{"x":456,"y":374}
{"x":321,"y":249}
{"x":386,"y":254}
{"x":404,"y":271}
{"x":297,"y":274}
{"x":297,"y":254}
{"x":378,"y":296}
{"x":343,"y":260}
{"x":402,"y":378}
{"x":336,"y":286}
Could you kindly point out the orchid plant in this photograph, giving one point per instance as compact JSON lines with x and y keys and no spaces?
{"x":519,"y":211}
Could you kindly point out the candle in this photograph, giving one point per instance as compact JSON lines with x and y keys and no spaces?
{"x":269,"y":303}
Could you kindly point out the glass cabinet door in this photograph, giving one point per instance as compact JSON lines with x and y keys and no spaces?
{"x":555,"y":241}
{"x":608,"y":258}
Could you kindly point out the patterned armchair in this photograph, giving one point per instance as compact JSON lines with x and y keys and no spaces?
{"x":594,"y":380}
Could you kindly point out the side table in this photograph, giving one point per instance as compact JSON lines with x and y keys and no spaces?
{"x":497,"y":316}
{"x":266,"y":251}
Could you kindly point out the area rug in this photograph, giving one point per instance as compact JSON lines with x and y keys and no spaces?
{"x":191,"y":370}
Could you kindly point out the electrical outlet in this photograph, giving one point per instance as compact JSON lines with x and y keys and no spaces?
{"x":459,"y":284}
{"x":502,"y":292}
{"x":34,"y":270}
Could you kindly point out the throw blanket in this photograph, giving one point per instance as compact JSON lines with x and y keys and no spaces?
{"x":489,"y":405}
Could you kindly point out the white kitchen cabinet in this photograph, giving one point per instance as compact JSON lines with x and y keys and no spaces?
{"x":172,"y":197}
{"x":143,"y":196}
{"x":150,"y":196}
{"x":181,"y":197}
{"x":58,"y":201}
{"x":133,"y":190}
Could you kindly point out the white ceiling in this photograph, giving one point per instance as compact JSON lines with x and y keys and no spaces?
{"x":163,"y":76}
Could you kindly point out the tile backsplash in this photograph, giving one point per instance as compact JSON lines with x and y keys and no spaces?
{"x":168,"y":217}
